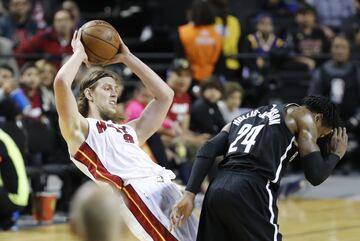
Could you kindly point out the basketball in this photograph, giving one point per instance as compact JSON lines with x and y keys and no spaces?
{"x":101,"y":41}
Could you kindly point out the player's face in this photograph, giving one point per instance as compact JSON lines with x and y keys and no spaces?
{"x":321,"y":129}
{"x":105,"y":95}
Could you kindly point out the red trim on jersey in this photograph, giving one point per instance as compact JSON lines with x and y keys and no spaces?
{"x":95,"y":166}
{"x":156,"y":230}
{"x":141,"y":218}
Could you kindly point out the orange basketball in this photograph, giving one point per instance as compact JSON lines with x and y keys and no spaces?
{"x":101,"y":41}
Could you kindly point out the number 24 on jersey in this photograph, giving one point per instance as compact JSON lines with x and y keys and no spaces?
{"x":247,"y":134}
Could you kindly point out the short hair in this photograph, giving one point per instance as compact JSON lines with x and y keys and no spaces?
{"x":7,"y":67}
{"x":202,"y":13}
{"x":232,"y":87}
{"x":323,"y":105}
{"x":212,"y":83}
{"x":90,"y":81}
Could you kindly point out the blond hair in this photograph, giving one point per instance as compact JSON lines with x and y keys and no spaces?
{"x":90,"y":81}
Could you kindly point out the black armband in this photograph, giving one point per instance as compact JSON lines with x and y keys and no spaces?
{"x":318,"y":168}
{"x":205,"y":158}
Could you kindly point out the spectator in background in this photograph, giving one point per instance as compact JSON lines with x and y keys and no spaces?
{"x":135,"y":106}
{"x":54,"y":41}
{"x":200,"y":43}
{"x":6,"y":48}
{"x":228,"y":26}
{"x":17,"y":25}
{"x":308,"y":39}
{"x":30,"y":84}
{"x":179,"y":80}
{"x":351,"y":28}
{"x":14,"y":186}
{"x":13,"y":101}
{"x":154,"y":146}
{"x":261,"y":42}
{"x":96,"y":214}
{"x":339,"y":79}
{"x":47,"y":72}
{"x":43,"y":11}
{"x":230,"y":105}
{"x":8,"y":108}
{"x":332,"y":13}
{"x":205,"y":114}
{"x":184,"y":143}
{"x":73,"y":7}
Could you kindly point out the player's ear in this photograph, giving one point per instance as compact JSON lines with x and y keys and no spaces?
{"x":88,"y":94}
{"x":318,"y":119}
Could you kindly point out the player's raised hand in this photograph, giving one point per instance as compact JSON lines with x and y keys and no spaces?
{"x":339,"y":140}
{"x":77,"y":45}
{"x":182,"y":210}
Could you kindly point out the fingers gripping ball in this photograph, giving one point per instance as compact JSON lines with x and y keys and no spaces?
{"x":101,"y":41}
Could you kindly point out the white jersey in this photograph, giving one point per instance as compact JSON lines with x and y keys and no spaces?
{"x":117,"y":148}
{"x":111,"y":155}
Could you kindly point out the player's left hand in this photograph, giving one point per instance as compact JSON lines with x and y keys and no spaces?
{"x":339,"y":141}
{"x":182,"y":210}
{"x":120,"y":56}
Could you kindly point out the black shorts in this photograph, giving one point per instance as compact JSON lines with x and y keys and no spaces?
{"x":239,"y":206}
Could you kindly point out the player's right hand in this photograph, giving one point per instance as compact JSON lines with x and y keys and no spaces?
{"x":77,"y":46}
{"x":182,"y":210}
{"x":339,"y":141}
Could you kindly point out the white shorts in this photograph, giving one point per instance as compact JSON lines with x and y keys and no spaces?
{"x":149,"y":204}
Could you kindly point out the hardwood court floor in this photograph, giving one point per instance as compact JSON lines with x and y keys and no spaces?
{"x":300,"y":220}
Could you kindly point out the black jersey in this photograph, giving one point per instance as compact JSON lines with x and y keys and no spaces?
{"x":260,"y":141}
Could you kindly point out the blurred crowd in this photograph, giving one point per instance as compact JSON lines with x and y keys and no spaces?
{"x":225,"y":60}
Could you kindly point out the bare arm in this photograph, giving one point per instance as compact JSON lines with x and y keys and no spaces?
{"x":306,"y":129}
{"x":155,"y":112}
{"x":72,"y":123}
